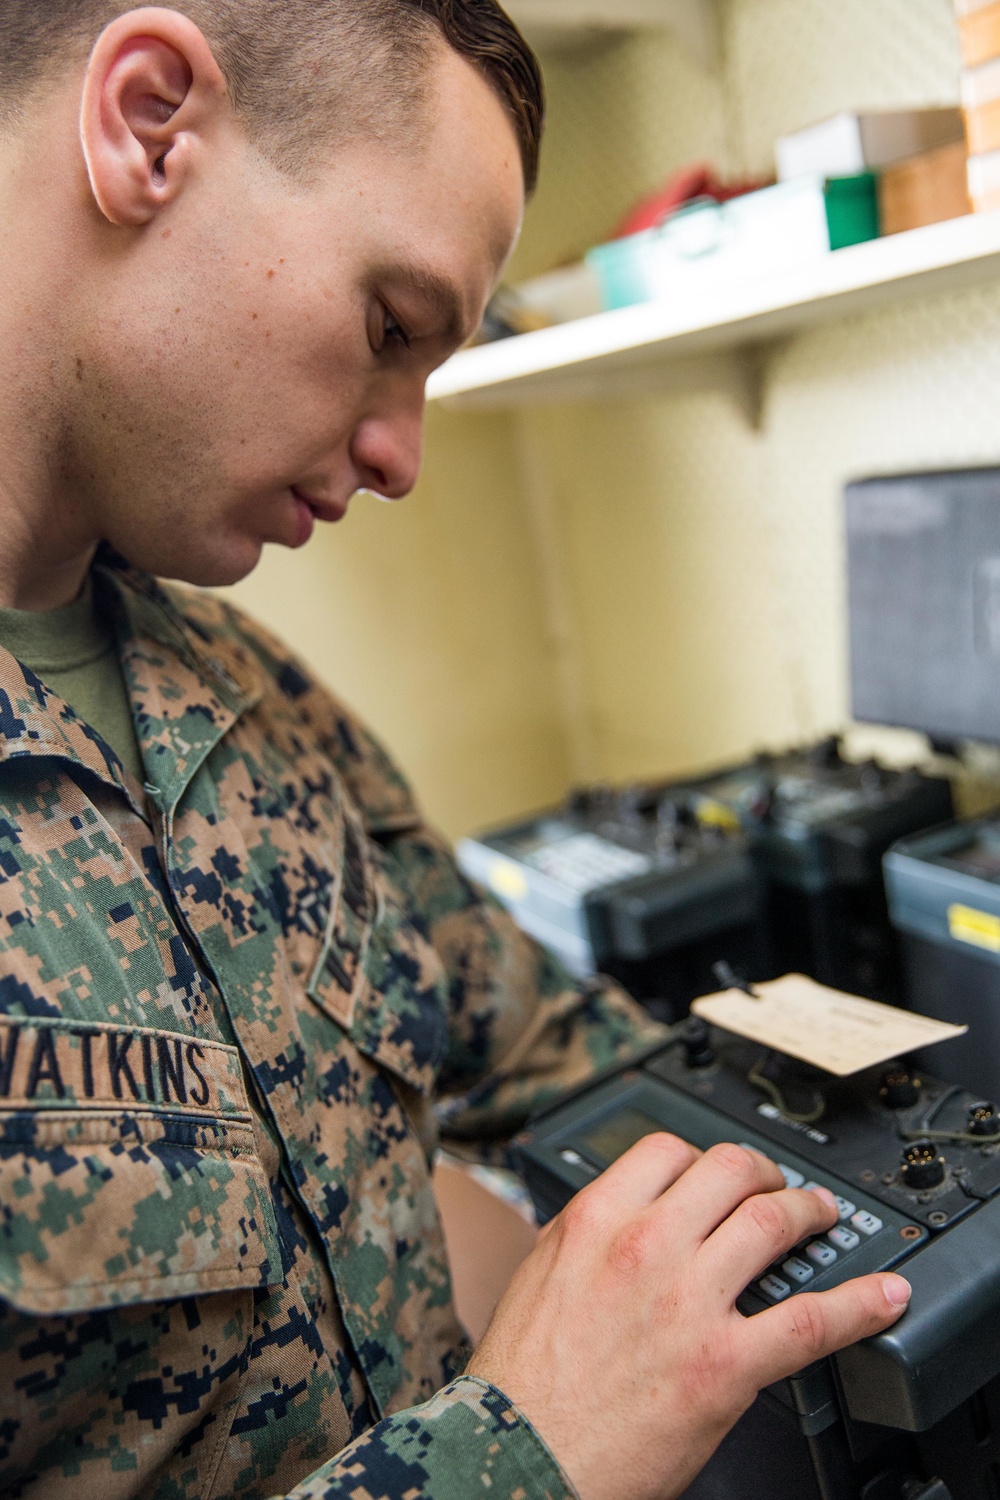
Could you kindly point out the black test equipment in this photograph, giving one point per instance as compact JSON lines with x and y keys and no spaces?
{"x":914,"y":1163}
{"x":944,"y":897}
{"x":773,"y":866}
{"x":818,"y":826}
{"x":923,"y":554}
{"x":630,"y":883}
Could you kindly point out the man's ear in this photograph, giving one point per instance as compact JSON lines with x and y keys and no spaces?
{"x":151,"y":93}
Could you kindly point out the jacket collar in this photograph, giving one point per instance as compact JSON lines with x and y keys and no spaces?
{"x":185,"y":695}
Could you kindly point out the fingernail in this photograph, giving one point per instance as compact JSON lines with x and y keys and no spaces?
{"x":826,"y":1196}
{"x":897,"y":1290}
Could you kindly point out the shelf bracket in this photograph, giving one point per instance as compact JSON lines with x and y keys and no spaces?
{"x":747,"y":383}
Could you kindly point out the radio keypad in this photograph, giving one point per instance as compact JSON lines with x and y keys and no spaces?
{"x":818,"y":1255}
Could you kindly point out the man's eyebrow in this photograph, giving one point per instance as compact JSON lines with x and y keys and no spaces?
{"x":439,"y":290}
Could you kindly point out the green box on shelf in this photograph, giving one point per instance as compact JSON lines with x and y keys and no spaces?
{"x":707,"y":245}
{"x":851,"y":209}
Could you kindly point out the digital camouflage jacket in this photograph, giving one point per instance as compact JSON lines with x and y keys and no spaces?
{"x":237,"y":1007}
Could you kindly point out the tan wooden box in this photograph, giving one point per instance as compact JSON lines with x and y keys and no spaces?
{"x":924,"y":190}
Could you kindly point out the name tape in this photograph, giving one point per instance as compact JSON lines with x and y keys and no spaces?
{"x":81,"y":1065}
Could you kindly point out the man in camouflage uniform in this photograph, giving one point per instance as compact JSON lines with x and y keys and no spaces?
{"x":243,"y":988}
{"x":218,"y":1275}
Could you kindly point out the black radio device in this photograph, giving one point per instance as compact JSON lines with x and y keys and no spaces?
{"x":914,"y":1163}
{"x":630,"y":883}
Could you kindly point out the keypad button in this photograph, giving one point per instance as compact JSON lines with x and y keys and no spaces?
{"x":820,"y":1254}
{"x":865,"y":1222}
{"x":774,"y":1288}
{"x":792,"y":1178}
{"x":845,"y":1207}
{"x":755,"y":1149}
{"x":574,"y":1159}
{"x":799,"y":1270}
{"x":843,"y":1238}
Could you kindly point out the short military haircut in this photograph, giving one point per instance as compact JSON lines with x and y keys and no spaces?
{"x":302,"y":73}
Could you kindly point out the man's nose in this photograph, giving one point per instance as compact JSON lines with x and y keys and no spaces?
{"x":387,"y":452}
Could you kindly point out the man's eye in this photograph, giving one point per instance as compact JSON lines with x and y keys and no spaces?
{"x":392,"y":330}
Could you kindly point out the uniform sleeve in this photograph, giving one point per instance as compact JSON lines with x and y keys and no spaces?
{"x":467,"y":1440}
{"x":521,"y":1029}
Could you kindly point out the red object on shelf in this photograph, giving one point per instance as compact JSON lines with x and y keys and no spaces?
{"x":697,"y":181}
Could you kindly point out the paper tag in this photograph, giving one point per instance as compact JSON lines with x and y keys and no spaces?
{"x":834,"y":1031}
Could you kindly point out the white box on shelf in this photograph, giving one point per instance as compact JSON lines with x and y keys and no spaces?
{"x":980,"y":85}
{"x":848,"y":143}
{"x":984,"y":181}
{"x":563,"y":295}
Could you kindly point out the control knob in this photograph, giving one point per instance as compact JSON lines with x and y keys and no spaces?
{"x":922,"y":1166}
{"x":826,"y":755}
{"x":763,"y":798}
{"x":983,"y":1119}
{"x":899,"y":1090}
{"x":583,"y":800}
{"x":695,"y":1040}
{"x":637,"y":803}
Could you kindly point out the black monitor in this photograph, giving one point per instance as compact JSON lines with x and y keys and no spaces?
{"x":923,"y":566}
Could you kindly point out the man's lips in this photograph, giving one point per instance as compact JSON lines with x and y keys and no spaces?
{"x":310,"y":509}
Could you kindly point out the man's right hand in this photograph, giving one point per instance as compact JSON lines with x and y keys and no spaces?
{"x":619,"y":1337}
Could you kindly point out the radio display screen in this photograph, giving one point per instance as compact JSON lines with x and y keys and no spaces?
{"x":613,"y":1135}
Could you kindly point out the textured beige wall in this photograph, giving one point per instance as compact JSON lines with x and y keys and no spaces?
{"x":614,"y":590}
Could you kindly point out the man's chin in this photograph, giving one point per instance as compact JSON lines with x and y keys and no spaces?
{"x":209,"y":569}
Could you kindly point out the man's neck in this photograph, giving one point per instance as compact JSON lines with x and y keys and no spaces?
{"x":47,"y":546}
{"x":41,"y":565}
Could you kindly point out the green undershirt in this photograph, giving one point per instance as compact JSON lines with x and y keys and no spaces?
{"x":73,"y":651}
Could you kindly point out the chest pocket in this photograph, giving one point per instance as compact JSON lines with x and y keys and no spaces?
{"x":377,"y":975}
{"x":128,"y":1171}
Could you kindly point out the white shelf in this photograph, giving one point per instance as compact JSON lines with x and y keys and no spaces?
{"x":659,"y":345}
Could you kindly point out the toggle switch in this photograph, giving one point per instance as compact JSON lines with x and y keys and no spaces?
{"x":697,"y":1047}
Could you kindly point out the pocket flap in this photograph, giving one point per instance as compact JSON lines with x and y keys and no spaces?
{"x":128,"y":1168}
{"x":378,"y":976}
